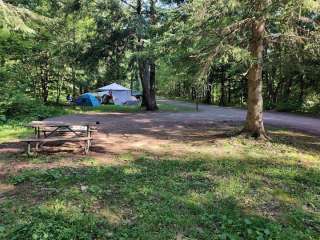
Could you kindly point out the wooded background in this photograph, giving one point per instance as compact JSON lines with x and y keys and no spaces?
{"x":51,"y":48}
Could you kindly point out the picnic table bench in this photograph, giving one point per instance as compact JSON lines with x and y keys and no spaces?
{"x":82,"y":132}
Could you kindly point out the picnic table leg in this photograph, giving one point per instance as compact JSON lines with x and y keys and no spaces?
{"x":37,"y":146}
{"x":38,"y":132}
{"x":87,"y":147}
{"x":88,"y":131}
{"x":29,"y":149}
{"x":88,"y":142}
{"x":88,"y":135}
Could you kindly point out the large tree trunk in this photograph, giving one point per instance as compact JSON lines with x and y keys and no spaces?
{"x":148,"y":86}
{"x":254,"y":122}
{"x":153,"y":103}
{"x":148,"y":68}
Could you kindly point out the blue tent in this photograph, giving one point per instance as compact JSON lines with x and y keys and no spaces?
{"x":88,"y":99}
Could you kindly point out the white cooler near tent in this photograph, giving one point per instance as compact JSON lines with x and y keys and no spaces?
{"x":121,"y":95}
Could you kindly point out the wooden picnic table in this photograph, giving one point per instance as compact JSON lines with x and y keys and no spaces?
{"x":53,"y":127}
{"x":81,"y":131}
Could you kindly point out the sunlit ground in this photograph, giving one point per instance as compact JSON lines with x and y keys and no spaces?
{"x":12,"y":132}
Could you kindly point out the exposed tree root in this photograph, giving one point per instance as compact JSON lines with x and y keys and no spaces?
{"x":259,"y":135}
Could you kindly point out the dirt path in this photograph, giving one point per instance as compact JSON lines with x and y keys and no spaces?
{"x":156,"y":133}
{"x":214,"y":113}
{"x":208,"y":114}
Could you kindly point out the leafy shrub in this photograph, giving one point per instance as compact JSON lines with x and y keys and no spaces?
{"x":289,"y":106}
{"x":3,"y":118}
{"x":312,"y":104}
{"x":268,"y":105}
{"x":23,"y":107}
{"x":315,"y":109}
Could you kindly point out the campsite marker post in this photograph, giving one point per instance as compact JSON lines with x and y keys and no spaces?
{"x":195,"y":98}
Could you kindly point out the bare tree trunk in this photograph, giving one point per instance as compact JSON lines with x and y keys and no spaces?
{"x":145,"y":82}
{"x":270,"y":89}
{"x":148,"y":86}
{"x":44,"y":86}
{"x":73,"y":82}
{"x":147,"y":67}
{"x":153,"y":103}
{"x":149,"y":71}
{"x":34,"y":81}
{"x":254,"y":122}
{"x":222,"y":101}
{"x":229,"y":89}
{"x":58,"y":88}
{"x":45,"y":78}
{"x":302,"y":82}
{"x":73,"y":70}
{"x":178,"y":89}
{"x":208,"y":89}
{"x":302,"y":88}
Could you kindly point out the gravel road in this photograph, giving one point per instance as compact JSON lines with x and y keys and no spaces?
{"x":206,"y":114}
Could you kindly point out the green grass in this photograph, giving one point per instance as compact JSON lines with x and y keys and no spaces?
{"x":234,"y":189}
{"x":108,"y":108}
{"x":14,"y":128}
{"x":163,"y":107}
{"x":10,"y":132}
